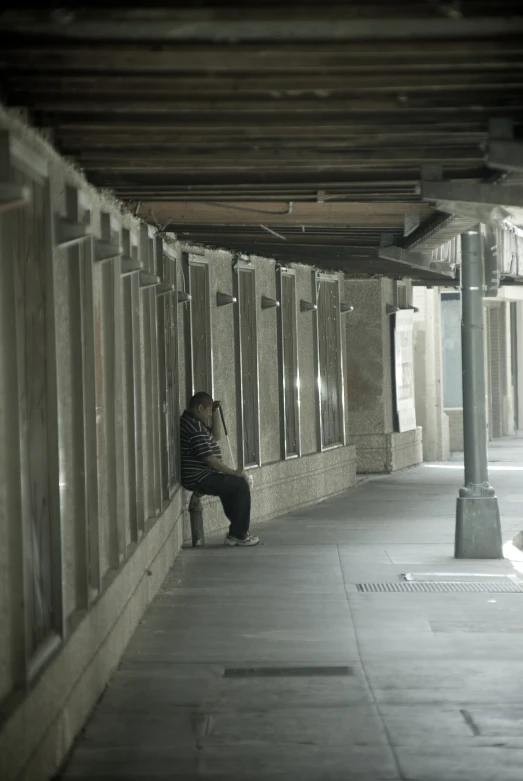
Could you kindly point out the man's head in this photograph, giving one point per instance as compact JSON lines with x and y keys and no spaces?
{"x":201,"y":407}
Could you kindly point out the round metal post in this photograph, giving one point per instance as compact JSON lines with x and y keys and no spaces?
{"x":478,"y":528}
{"x":473,"y":367}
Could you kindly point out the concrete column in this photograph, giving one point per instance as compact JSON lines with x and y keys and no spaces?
{"x":478,"y":528}
{"x":501,"y":398}
{"x":430,"y":414}
{"x":507,"y":393}
{"x":487,"y":344}
{"x":451,"y":367}
{"x":519,"y":361}
{"x":369,"y":372}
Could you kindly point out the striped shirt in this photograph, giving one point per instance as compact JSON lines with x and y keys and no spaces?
{"x":196,"y":443}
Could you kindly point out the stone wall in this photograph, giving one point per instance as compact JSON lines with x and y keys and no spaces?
{"x":114,"y":530}
{"x":370,"y":381}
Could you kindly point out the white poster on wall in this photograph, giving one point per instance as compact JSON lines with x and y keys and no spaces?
{"x":404,"y":369}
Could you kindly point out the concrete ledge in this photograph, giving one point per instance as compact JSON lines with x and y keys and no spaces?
{"x":288,"y":485}
{"x":39,"y":732}
{"x":406,"y":449}
{"x":384,"y":453}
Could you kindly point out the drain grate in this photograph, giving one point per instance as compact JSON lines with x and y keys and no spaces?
{"x":285,"y":672}
{"x":442,"y":587}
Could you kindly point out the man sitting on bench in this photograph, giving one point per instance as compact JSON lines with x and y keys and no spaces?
{"x":204,"y":472}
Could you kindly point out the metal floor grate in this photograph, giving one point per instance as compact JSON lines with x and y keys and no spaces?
{"x":285,"y":672}
{"x":443,"y":587}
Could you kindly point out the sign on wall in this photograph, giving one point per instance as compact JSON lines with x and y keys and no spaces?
{"x":404,"y":369}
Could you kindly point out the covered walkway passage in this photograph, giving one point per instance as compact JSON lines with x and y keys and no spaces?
{"x":268,"y":663}
{"x":311,"y":211}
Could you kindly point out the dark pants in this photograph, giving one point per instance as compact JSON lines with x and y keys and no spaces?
{"x":235,"y":497}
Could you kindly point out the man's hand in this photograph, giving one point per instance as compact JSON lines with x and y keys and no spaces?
{"x":216,"y":406}
{"x":240,"y":473}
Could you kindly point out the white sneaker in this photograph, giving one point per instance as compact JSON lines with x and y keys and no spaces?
{"x":249,"y":540}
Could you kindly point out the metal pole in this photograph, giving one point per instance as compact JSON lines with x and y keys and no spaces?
{"x":478,"y":528}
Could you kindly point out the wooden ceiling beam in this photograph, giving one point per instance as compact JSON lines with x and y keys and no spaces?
{"x":217,"y":133}
{"x":59,"y":52}
{"x":134,"y":196}
{"x":476,"y":101}
{"x":234,"y":241}
{"x":278,"y":85}
{"x":258,"y":120}
{"x":178,"y":157}
{"x":272,"y":23}
{"x":359,"y":215}
{"x":141,"y":145}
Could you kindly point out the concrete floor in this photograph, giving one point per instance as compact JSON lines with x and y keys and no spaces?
{"x":399,"y":686}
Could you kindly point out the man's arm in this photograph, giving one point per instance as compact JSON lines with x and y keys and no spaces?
{"x":219,"y":466}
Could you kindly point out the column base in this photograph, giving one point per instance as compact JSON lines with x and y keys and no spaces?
{"x":478,"y":528}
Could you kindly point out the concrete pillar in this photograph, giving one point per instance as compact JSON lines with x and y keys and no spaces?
{"x":369,"y":372}
{"x":500,"y":391}
{"x":451,"y":367}
{"x":430,"y":414}
{"x":519,"y":361}
{"x":507,"y":391}
{"x":478,"y":527}
{"x":488,"y":369}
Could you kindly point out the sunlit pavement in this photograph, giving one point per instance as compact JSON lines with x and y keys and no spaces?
{"x":268,"y":663}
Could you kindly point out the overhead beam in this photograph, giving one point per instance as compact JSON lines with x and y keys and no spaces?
{"x":286,"y":84}
{"x":356,"y":214}
{"x":370,"y":56}
{"x":99,"y":132}
{"x":472,"y":213}
{"x":271,"y":24}
{"x":265,"y":242}
{"x":478,"y":192}
{"x":105,"y":104}
{"x":477,"y":202}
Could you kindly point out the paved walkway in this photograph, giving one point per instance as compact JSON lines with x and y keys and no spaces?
{"x":267,"y":663}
